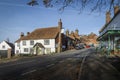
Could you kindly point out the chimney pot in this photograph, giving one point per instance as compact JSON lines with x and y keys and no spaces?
{"x":60,"y":24}
{"x":72,"y":33}
{"x":76,"y":31}
{"x":28,"y":33}
{"x":22,"y":34}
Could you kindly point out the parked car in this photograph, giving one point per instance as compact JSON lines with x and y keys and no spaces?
{"x":79,"y":46}
{"x":87,"y":46}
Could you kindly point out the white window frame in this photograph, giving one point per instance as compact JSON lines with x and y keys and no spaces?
{"x":24,"y":43}
{"x":46,"y":42}
{"x":18,"y":44}
{"x":31,"y":42}
{"x":25,"y":49}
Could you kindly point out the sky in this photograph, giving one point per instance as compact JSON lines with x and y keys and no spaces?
{"x":17,"y":17}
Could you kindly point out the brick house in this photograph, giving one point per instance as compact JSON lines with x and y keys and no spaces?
{"x":73,"y":38}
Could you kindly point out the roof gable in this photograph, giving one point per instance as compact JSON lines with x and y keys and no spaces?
{"x":10,"y":45}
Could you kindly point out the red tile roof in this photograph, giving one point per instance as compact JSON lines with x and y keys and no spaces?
{"x":74,"y":36}
{"x":41,"y":33}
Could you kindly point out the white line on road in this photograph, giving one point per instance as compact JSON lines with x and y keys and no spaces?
{"x":81,"y":67}
{"x":31,"y":71}
{"x":50,"y":65}
{"x":17,"y":63}
{"x":61,"y":61}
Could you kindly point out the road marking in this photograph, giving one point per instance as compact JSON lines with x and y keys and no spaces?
{"x":17,"y":63}
{"x":31,"y":71}
{"x":81,"y":67}
{"x":61,"y":61}
{"x":50,"y":65}
{"x":69,"y":58}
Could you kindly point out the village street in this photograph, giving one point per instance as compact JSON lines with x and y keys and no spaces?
{"x":82,"y":64}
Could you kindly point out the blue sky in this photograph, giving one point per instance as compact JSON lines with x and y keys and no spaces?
{"x":17,"y":17}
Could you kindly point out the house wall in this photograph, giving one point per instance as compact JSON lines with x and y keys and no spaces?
{"x":21,"y":47}
{"x":6,"y":46}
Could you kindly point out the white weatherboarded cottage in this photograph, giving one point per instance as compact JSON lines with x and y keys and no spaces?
{"x":40,"y":41}
{"x":4,"y":47}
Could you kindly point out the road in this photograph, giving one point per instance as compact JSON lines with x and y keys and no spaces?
{"x":71,"y":65}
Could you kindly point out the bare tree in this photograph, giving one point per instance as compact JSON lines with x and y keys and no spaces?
{"x":80,"y":5}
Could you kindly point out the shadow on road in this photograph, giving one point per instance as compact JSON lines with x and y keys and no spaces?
{"x":100,"y":68}
{"x":115,"y":61}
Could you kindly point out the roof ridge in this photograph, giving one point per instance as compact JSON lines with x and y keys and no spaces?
{"x":47,"y":27}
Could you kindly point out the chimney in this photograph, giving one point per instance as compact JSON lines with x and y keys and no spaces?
{"x":76,"y":31}
{"x":60,"y":24}
{"x":72,"y":33}
{"x":67,"y":32}
{"x":116,"y":9}
{"x":28,"y":33}
{"x":60,"y":36}
{"x":22,"y":34}
{"x":108,"y":17}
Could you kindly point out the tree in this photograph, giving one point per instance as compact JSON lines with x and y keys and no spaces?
{"x":80,"y":5}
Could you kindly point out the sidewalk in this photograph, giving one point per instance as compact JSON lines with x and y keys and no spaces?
{"x":101,"y":68}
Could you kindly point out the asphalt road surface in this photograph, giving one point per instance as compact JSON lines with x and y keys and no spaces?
{"x":70,"y":65}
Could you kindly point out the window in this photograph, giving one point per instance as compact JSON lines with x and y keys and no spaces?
{"x":48,"y":50}
{"x":17,"y":51}
{"x":31,"y":42}
{"x":46,"y":42}
{"x":3,"y":46}
{"x":24,"y":43}
{"x":25,"y":49}
{"x":18,"y":44}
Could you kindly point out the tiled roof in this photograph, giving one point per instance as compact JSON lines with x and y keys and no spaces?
{"x":74,"y":36}
{"x":41,"y":33}
{"x":10,"y":44}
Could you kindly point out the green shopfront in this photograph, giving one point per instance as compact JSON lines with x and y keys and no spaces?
{"x":111,"y":41}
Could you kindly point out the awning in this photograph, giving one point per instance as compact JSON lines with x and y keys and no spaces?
{"x":109,"y":33}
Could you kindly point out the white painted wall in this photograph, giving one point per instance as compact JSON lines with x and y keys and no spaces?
{"x":3,"y":43}
{"x":21,"y":47}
